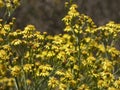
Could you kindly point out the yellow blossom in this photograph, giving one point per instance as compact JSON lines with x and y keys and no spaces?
{"x":16,"y":42}
{"x":62,"y":86}
{"x":28,"y":81}
{"x":107,"y":65}
{"x":76,"y":67}
{"x":67,"y":28}
{"x":27,"y":67}
{"x":101,"y":48}
{"x":53,"y":82}
{"x":117,"y":83}
{"x":1,"y":3}
{"x":112,"y":88}
{"x":83,"y":87}
{"x":15,"y":70}
{"x":60,"y":73}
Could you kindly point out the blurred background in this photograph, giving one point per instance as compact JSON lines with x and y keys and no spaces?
{"x":46,"y":15}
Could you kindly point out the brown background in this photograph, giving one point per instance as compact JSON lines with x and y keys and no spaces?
{"x":46,"y":15}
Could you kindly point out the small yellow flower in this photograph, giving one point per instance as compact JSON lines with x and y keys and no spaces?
{"x":101,"y":48}
{"x":28,"y":81}
{"x":91,"y":59}
{"x":10,"y":82}
{"x":27,"y":55}
{"x":1,"y":3}
{"x":7,"y":27}
{"x":60,"y":73}
{"x":44,"y":73}
{"x":16,"y":2}
{"x":50,"y":54}
{"x":112,"y":88}
{"x":117,"y":84}
{"x":27,"y":67}
{"x":62,"y":86}
{"x":15,"y":71}
{"x":67,"y":28}
{"x":3,"y":54}
{"x":107,"y":65}
{"x":6,"y":47}
{"x":102,"y":83}
{"x":73,"y":6}
{"x":1,"y":39}
{"x":3,"y":32}
{"x":76,"y":67}
{"x":83,"y":87}
{"x":53,"y":82}
{"x":16,"y":42}
{"x":46,"y":67}
{"x":87,"y":39}
{"x":72,"y":83}
{"x":30,"y":28}
{"x":107,"y":76}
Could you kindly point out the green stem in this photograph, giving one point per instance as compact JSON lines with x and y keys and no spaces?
{"x":16,"y":84}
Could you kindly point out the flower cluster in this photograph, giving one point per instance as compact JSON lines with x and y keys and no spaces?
{"x":85,"y":57}
{"x":9,"y":4}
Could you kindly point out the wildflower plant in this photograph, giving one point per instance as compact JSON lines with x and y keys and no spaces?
{"x":85,"y":57}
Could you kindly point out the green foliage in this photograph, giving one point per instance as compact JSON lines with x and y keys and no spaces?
{"x":83,"y":58}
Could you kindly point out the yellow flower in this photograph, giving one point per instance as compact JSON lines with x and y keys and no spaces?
{"x":27,"y":67}
{"x":67,"y":19}
{"x":30,"y":28}
{"x":72,"y":59}
{"x":67,"y":28}
{"x":44,"y":73}
{"x":16,"y":2}
{"x":73,"y":13}
{"x":3,"y":32}
{"x":76,"y":67}
{"x":113,"y":51}
{"x":62,"y":86}
{"x":10,"y":82}
{"x":50,"y":54}
{"x":107,"y":76}
{"x":117,"y":84}
{"x":46,"y":67}
{"x":83,"y":87}
{"x":16,"y":42}
{"x":1,"y":39}
{"x":27,"y":55}
{"x":68,"y":75}
{"x":101,"y":83}
{"x":53,"y":82}
{"x":41,"y":37}
{"x":112,"y":88}
{"x":72,"y":83}
{"x":7,"y":27}
{"x":15,"y":71}
{"x":101,"y":48}
{"x":2,"y":69}
{"x":3,"y":54}
{"x":91,"y":59}
{"x":73,"y":6}
{"x":28,"y":81}
{"x":6,"y":47}
{"x":9,"y":6}
{"x":87,"y":39}
{"x":43,"y":70}
{"x":61,"y":55}
{"x":60,"y":73}
{"x":1,"y":3}
{"x":107,"y":65}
